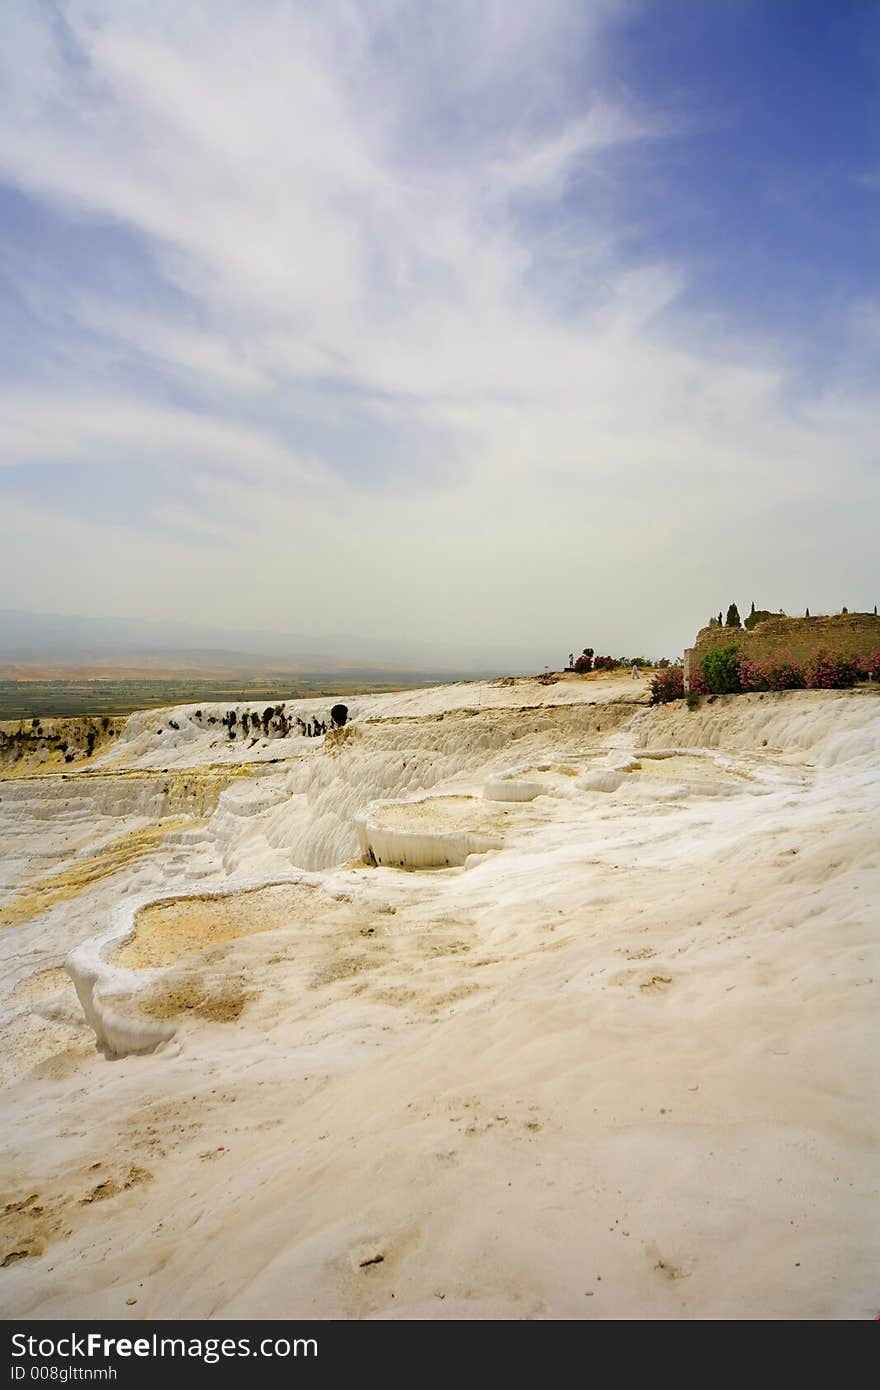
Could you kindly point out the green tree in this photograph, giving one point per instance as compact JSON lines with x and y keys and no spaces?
{"x":733,"y":618}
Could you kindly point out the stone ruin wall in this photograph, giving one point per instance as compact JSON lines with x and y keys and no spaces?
{"x":790,"y":639}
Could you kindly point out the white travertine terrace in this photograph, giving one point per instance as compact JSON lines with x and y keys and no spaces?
{"x":622,"y":1064}
{"x":510,"y":786}
{"x":422,"y":834}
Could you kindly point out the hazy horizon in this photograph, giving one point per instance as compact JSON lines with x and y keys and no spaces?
{"x":29,"y":639}
{"x":44,"y":638}
{"x":501,"y":329}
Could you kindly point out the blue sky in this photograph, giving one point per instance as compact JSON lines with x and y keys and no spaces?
{"x":557,"y":321}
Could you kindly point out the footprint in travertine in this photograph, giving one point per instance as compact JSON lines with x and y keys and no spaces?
{"x":110,"y":1187}
{"x":29,"y":1223}
{"x":474,"y":1118}
{"x":23,"y":1229}
{"x":429,"y":833}
{"x":656,"y":982}
{"x":212,"y":998}
{"x":664,"y":1266}
{"x":370,"y":1267}
{"x":367,"y":1255}
{"x":647,"y":984}
{"x":342,"y":967}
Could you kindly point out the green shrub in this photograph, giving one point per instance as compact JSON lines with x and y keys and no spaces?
{"x":692,"y":699}
{"x":720,"y":670}
{"x":760,"y":616}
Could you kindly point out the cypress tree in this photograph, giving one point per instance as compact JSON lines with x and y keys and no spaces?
{"x":733,"y":619}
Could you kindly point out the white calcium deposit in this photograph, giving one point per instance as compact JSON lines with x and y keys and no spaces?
{"x":509,"y":1000}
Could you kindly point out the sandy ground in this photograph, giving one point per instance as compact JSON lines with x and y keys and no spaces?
{"x":622,"y":1067}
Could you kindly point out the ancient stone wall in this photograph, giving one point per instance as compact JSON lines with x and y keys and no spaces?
{"x":790,"y":639}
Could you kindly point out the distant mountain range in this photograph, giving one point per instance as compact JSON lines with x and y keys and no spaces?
{"x":55,"y":640}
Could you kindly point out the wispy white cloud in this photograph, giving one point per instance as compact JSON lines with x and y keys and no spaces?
{"x":543,"y":165}
{"x":39,"y":425}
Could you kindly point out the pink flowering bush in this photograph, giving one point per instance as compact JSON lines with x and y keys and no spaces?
{"x":760,"y":675}
{"x":667,"y":685}
{"x":698,"y":684}
{"x":753,"y":675}
{"x":605,"y":663}
{"x":788,"y":676}
{"x":583,"y":665}
{"x":831,"y":672}
{"x":868,"y":666}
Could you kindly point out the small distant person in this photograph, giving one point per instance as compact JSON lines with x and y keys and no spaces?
{"x":635,"y":671}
